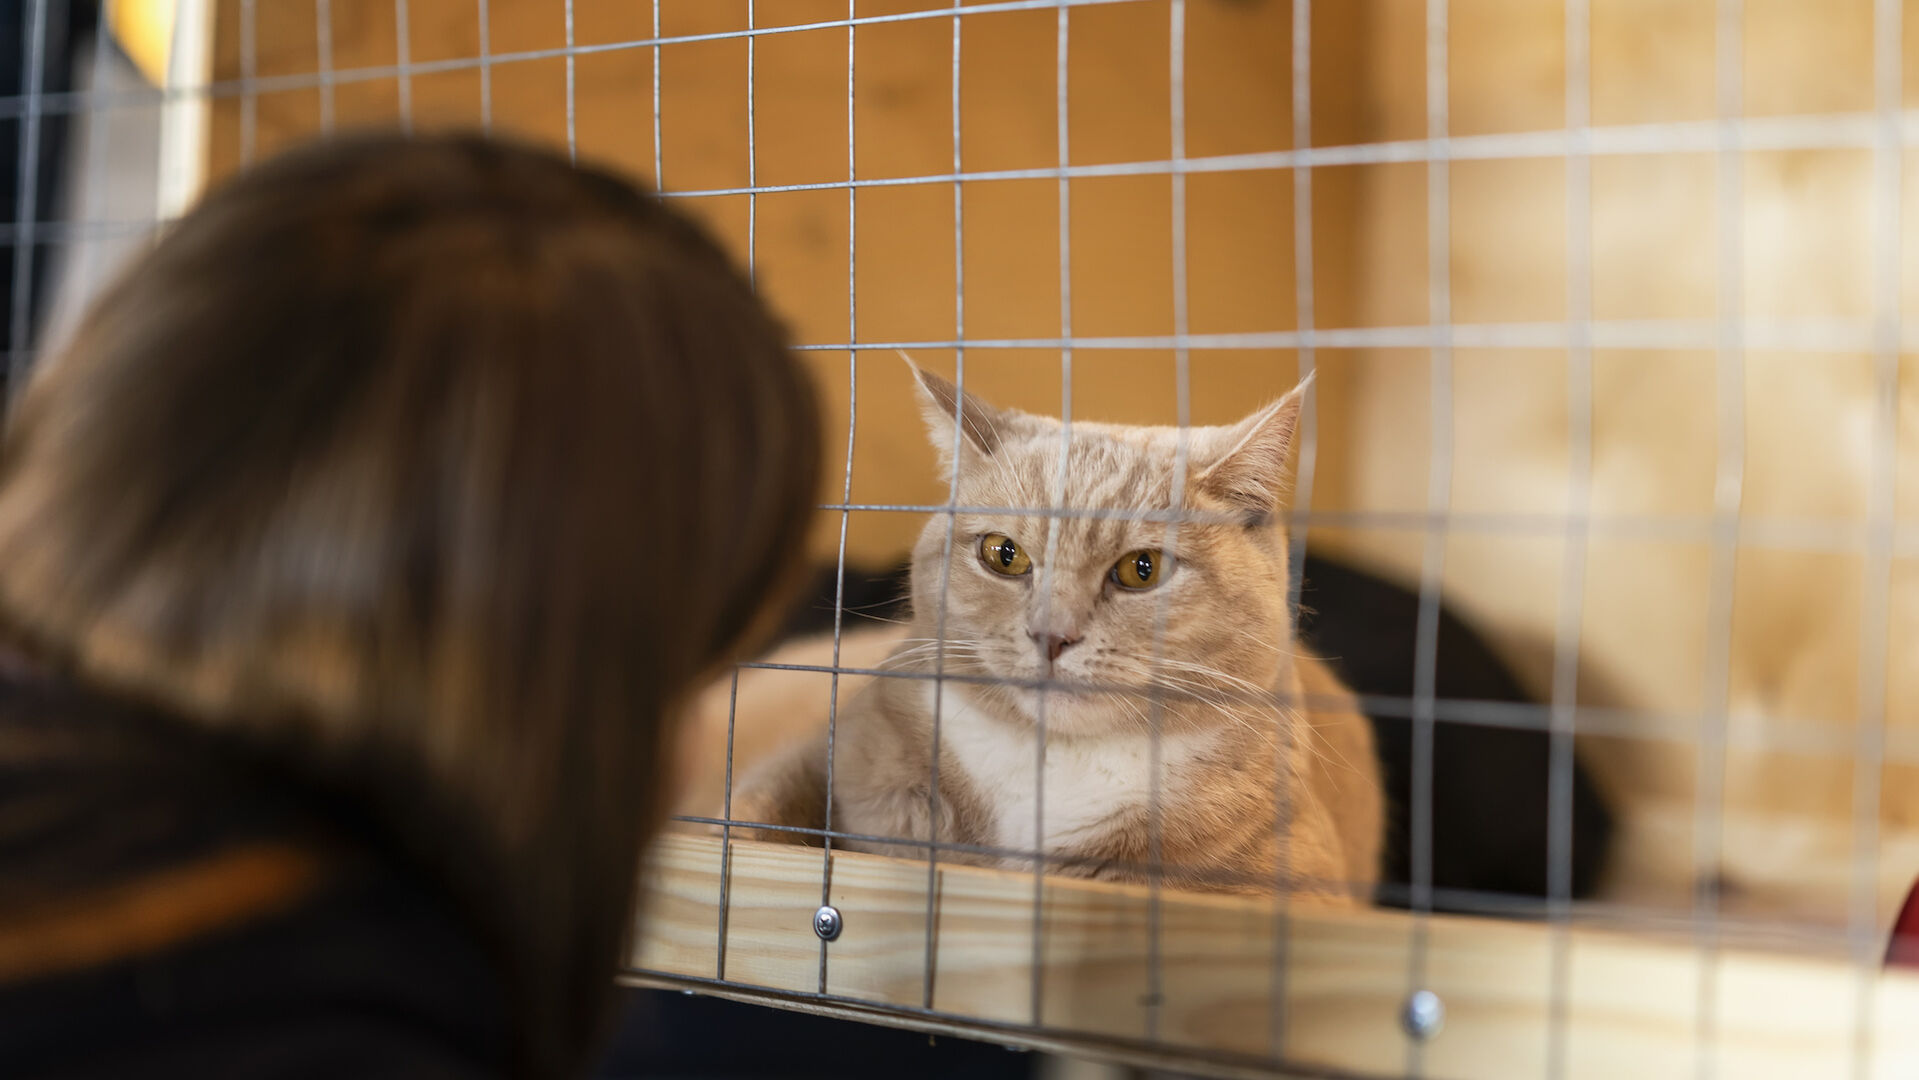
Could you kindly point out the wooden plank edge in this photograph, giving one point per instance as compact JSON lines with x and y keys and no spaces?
{"x":1014,"y":1037}
{"x":1631,"y":1003}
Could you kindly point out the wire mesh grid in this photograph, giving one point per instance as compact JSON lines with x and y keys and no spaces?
{"x":1885,"y":131}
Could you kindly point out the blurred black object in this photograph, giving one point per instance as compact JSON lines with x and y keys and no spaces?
{"x":64,"y":25}
{"x":673,"y":1035}
{"x":1490,"y":784}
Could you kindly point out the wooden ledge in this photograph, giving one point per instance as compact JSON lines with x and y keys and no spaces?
{"x":1631,"y":1008}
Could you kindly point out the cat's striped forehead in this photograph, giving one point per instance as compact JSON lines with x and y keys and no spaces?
{"x":1106,"y":466}
{"x":1118,"y":487}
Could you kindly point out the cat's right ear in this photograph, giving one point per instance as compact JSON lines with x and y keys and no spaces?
{"x":981,"y":426}
{"x":1251,"y":474}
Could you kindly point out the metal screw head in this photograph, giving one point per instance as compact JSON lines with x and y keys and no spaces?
{"x":1423,"y":1015}
{"x":827,"y":922}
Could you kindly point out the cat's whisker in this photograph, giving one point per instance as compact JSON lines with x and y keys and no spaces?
{"x":1221,"y":704}
{"x":1135,"y":712}
{"x":1212,"y":691}
{"x":1253,"y":689}
{"x":932,"y":647}
{"x":1324,"y":750}
{"x":1204,"y":669}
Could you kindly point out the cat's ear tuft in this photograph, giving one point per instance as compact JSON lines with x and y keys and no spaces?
{"x":1251,"y":473}
{"x":981,"y":424}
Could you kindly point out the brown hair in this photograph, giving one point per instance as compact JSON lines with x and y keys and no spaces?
{"x":443,"y":469}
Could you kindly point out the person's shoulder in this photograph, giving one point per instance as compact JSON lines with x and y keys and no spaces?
{"x":169,"y":910}
{"x":362,"y":974}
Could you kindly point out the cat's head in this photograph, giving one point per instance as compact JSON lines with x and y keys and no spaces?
{"x":1111,"y":574}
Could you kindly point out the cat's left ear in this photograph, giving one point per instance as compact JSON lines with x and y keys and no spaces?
{"x":942,"y":403}
{"x":1251,"y":473}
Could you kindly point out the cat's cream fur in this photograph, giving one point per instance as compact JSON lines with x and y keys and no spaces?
{"x":1261,"y":772}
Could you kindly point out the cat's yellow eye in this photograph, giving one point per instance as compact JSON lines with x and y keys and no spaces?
{"x":1002,"y":556}
{"x":1139,"y":569}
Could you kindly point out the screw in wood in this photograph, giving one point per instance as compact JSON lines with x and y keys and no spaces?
{"x":827,"y":922}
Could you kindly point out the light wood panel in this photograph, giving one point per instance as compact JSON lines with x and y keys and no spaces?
{"x":1631,"y":1005}
{"x":1800,"y":631}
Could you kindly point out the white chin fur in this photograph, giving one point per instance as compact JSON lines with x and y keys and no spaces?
{"x":1069,"y":712}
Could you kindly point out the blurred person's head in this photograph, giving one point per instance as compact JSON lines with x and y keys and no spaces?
{"x":439,"y":471}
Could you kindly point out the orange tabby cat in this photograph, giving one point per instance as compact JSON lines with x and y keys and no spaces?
{"x":1182,"y":729}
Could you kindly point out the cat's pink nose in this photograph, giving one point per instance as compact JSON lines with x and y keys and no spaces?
{"x":1053,"y":644}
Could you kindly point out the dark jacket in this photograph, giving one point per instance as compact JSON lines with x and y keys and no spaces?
{"x":171,"y":907}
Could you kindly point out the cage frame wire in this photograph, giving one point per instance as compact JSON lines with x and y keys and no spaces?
{"x":1888,"y":29}
{"x":249,"y":71}
{"x":852,"y":431}
{"x":323,"y":59}
{"x":484,"y":14}
{"x":1155,"y":997}
{"x":1564,"y":694}
{"x":928,"y":950}
{"x":1306,"y":455}
{"x":1438,"y":504}
{"x":733,"y":698}
{"x":33,"y":45}
{"x":1887,"y":131}
{"x":1728,"y":499}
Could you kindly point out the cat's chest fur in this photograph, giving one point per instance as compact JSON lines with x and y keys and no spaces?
{"x":1088,"y":783}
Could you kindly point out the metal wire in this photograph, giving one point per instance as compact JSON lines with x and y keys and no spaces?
{"x":1307,"y":457}
{"x":1728,"y":497}
{"x":249,"y":72}
{"x":752,"y":157}
{"x":659,"y":148}
{"x":1809,"y":937}
{"x":26,"y":207}
{"x":1572,"y":582}
{"x":572,"y":124}
{"x":852,"y":426}
{"x":403,"y":71}
{"x":935,"y":747}
{"x":726,"y":829}
{"x":97,"y":122}
{"x":1002,"y":851}
{"x":323,"y":55}
{"x":1875,"y":616}
{"x":1853,"y":130}
{"x":1062,"y":110}
{"x":1835,"y":131}
{"x":1745,"y":731}
{"x":733,"y":701}
{"x":1829,"y":535}
{"x":486,"y":66}
{"x":952,"y":498}
{"x":1616,"y":335}
{"x":1438,"y":503}
{"x":970,"y":1024}
{"x":1155,"y":999}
